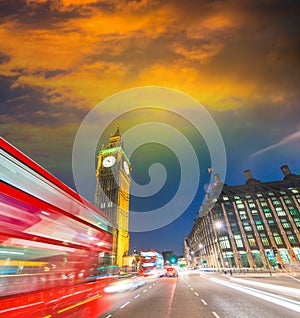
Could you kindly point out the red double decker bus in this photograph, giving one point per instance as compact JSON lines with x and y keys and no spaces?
{"x":54,"y":244}
{"x":151,"y":263}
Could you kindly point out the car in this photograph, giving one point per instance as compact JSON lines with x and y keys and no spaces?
{"x":171,"y":272}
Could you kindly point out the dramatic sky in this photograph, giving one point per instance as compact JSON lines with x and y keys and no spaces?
{"x":239,"y":59}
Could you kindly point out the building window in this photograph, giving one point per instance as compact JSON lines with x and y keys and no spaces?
{"x":297,"y":222}
{"x":281,"y":213}
{"x":271,"y":193}
{"x":278,"y":209}
{"x":263,"y":203}
{"x":285,"y":223}
{"x":268,"y":215}
{"x":243,"y":215}
{"x":277,"y":238}
{"x":260,"y":227}
{"x":248,"y":196}
{"x":259,"y":195}
{"x":248,"y":228}
{"x":271,"y":223}
{"x":292,"y":238}
{"x":294,"y":211}
{"x":237,"y":197}
{"x":276,"y":202}
{"x":294,"y":191}
{"x":238,"y":241}
{"x":240,"y":206}
{"x":254,"y":212}
{"x":282,"y":192}
{"x":225,"y":198}
{"x":288,"y":201}
{"x":251,"y":241}
{"x":224,"y":242}
{"x":264,"y":240}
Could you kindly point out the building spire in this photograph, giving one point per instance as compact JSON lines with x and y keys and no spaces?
{"x":117,"y":133}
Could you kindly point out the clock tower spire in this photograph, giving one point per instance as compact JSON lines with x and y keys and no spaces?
{"x":112,"y":191}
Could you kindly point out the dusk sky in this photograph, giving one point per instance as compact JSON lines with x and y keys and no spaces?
{"x":239,"y":59}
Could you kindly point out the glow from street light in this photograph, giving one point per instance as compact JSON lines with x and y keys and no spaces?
{"x":218,"y":224}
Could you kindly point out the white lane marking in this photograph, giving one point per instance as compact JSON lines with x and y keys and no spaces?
{"x":150,"y":287}
{"x":128,"y":302}
{"x":196,"y":294}
{"x":144,"y":290}
{"x":108,"y":316}
{"x":216,"y":315}
{"x":192,"y":288}
{"x":189,"y":285}
{"x":137,"y":296}
{"x":204,"y":302}
{"x":275,"y":299}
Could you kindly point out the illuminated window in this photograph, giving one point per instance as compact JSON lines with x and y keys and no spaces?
{"x":225,"y":198}
{"x":240,"y":206}
{"x":288,"y":201}
{"x":252,"y":205}
{"x":277,"y":238}
{"x":271,"y":193}
{"x":268,"y":215}
{"x":276,"y":202}
{"x":260,"y":227}
{"x":243,"y":215}
{"x":263,"y":203}
{"x":254,"y":212}
{"x":238,"y":241}
{"x":292,"y":238}
{"x":286,"y":225}
{"x":264,"y":240}
{"x":267,"y":210}
{"x":237,"y":197}
{"x":251,"y":241}
{"x":297,"y":222}
{"x":224,"y":242}
{"x":294,"y":211}
{"x":278,"y":209}
{"x":248,"y":228}
{"x":259,"y":195}
{"x":281,"y":213}
{"x":294,"y":191}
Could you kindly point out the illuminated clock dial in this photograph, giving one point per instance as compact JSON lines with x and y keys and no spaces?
{"x":126,"y":167}
{"x":109,"y":161}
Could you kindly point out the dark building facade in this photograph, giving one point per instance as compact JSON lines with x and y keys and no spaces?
{"x":253,"y":225}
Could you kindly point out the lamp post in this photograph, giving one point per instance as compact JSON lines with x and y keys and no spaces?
{"x":218,"y":225}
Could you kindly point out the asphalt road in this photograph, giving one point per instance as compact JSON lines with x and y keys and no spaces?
{"x":213,"y":295}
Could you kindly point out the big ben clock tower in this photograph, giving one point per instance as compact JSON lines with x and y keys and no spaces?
{"x":112,"y":191}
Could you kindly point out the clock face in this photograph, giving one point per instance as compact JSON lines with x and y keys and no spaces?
{"x":109,"y":161}
{"x":126,"y":167}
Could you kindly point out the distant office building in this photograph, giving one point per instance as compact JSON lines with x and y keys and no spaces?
{"x":252,"y":225}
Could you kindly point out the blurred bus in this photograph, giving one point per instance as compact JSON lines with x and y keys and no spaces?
{"x":151,"y":263}
{"x":50,"y":237}
{"x":182,"y":264}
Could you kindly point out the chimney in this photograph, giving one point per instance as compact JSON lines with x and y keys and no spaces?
{"x":248,"y":175}
{"x":286,"y":171}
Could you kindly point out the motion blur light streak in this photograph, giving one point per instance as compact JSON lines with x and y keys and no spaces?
{"x":290,"y":290}
{"x":281,"y":301}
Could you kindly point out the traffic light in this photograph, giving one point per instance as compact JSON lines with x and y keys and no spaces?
{"x":173,"y":259}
